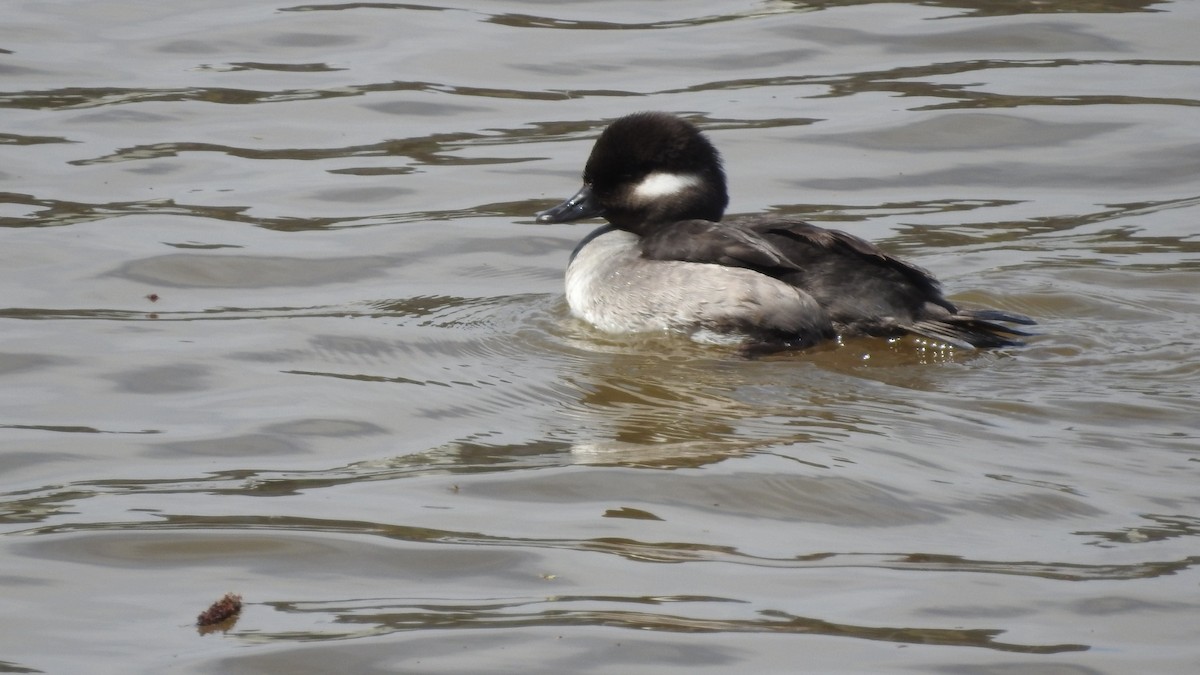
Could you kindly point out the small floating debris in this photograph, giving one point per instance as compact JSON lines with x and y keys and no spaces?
{"x":221,"y":615}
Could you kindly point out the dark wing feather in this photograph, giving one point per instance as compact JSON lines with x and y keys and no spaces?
{"x":704,"y":241}
{"x":863,"y":289}
{"x":805,"y":240}
{"x":868,"y":291}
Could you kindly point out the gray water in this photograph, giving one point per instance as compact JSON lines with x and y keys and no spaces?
{"x":277,"y":320}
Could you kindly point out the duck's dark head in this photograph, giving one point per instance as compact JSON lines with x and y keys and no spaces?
{"x":645,"y":169}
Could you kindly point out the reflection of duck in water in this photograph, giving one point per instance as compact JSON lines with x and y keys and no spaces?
{"x":667,"y":261}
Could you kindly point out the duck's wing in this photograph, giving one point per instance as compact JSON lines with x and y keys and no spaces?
{"x":834,"y":264}
{"x":840,"y":254}
{"x":728,"y":244}
{"x":869,"y":291}
{"x":864,"y":289}
{"x":779,"y":247}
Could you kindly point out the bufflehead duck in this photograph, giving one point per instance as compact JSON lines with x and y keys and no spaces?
{"x":668,"y":262}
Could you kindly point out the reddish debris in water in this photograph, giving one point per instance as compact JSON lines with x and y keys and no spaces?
{"x":153,"y":297}
{"x":222,"y":610}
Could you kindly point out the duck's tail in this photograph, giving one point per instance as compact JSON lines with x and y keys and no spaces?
{"x":981,"y":328}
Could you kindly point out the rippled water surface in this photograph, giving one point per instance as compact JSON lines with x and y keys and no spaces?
{"x":277,"y":320}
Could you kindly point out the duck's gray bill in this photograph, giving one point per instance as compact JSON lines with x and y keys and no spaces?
{"x":581,"y":205}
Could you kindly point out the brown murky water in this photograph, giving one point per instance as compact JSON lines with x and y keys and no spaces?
{"x":277,"y":320}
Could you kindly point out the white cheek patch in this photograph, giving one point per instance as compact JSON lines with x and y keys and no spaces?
{"x":660,"y":184}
